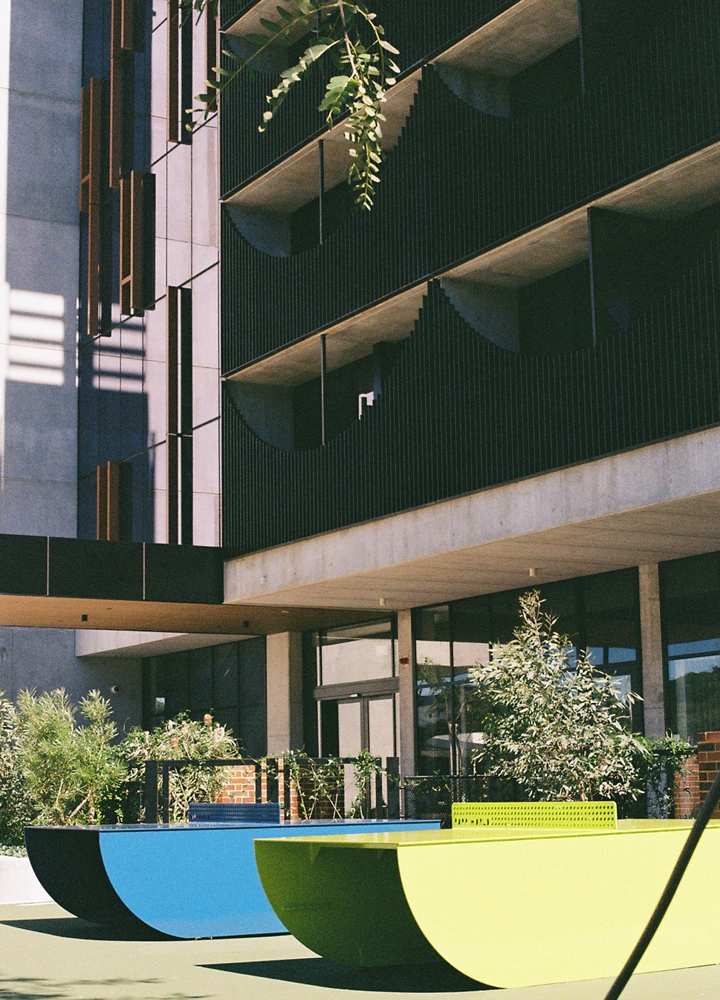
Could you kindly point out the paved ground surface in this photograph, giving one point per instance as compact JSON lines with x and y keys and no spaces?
{"x":45,"y":953}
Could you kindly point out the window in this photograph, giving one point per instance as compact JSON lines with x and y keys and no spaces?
{"x":228,"y":681}
{"x":599,"y":613}
{"x":690,"y":606}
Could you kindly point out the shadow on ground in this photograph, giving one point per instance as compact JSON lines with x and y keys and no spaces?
{"x":437,"y":978}
{"x":44,"y":989}
{"x":74,"y":927}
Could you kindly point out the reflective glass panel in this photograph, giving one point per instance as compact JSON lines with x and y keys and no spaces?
{"x":690,"y":608}
{"x":356,"y":653}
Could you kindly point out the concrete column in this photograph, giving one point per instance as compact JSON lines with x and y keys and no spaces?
{"x":284,"y":692}
{"x":406,"y":656}
{"x":652,"y":651}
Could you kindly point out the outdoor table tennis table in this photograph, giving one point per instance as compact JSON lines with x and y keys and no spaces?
{"x":188,"y":880}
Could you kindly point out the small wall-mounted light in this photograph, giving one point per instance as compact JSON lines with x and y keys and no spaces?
{"x":532,"y":572}
{"x":115,"y":689}
{"x":83,"y":618}
{"x":382,"y":601}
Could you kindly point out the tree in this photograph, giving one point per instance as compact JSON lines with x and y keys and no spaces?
{"x":70,"y":772}
{"x":554,"y":724}
{"x":349,"y":35}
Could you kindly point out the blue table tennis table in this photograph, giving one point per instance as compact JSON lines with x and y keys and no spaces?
{"x":187,"y":880}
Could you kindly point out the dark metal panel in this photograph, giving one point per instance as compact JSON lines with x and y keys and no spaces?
{"x":458,"y":414}
{"x":185,"y":574}
{"x":95,"y":569}
{"x":417,"y":29}
{"x":23,"y":564}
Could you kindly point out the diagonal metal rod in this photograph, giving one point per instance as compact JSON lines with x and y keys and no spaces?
{"x":706,"y":810}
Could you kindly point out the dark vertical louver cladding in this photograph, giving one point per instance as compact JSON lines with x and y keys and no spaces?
{"x":460,"y":181}
{"x":416,"y":29}
{"x":172,"y":473}
{"x":460,"y":414}
{"x":173,"y":71}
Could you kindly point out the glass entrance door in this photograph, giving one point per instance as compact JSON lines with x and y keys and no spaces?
{"x":352,"y":724}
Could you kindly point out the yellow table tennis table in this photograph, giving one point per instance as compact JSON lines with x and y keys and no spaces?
{"x":507,"y":905}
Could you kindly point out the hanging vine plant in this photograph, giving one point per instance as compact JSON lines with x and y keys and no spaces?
{"x":355,"y":43}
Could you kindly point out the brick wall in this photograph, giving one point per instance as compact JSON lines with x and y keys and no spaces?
{"x":708,"y":763}
{"x":240,"y":786}
{"x":693,"y":782}
{"x":687,"y":790}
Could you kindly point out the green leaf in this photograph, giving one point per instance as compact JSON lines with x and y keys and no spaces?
{"x":271,"y":26}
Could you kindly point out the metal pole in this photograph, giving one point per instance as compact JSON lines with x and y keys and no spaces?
{"x":393,"y":787}
{"x":150,"y":796}
{"x":706,"y":810}
{"x":321,"y":185}
{"x":166,"y":792}
{"x":323,"y":375}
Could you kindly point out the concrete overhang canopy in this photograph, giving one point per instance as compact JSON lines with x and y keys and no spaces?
{"x":134,"y":586}
{"x":643,"y":506}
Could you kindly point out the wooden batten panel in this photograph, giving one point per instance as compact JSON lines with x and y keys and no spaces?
{"x":172,"y":448}
{"x":173,"y":72}
{"x":132,"y":245}
{"x":125,"y":245}
{"x":101,"y":491}
{"x":95,"y":142}
{"x":93,"y":276}
{"x":211,"y":59}
{"x":137,"y":238}
{"x":116,"y":72}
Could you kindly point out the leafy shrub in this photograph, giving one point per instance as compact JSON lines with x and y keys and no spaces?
{"x":182,"y":738}
{"x":71,"y":773}
{"x":15,"y":809}
{"x":553,"y":724}
{"x":663,"y":761}
{"x":319,"y":784}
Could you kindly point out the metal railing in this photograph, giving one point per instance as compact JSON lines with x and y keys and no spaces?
{"x":273,"y":782}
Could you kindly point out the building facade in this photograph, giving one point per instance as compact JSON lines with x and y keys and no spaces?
{"x":499,"y":378}
{"x":504,"y":376}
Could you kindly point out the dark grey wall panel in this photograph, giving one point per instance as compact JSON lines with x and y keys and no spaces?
{"x":23,"y":564}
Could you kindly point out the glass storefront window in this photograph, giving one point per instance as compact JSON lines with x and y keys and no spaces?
{"x":435,"y":696}
{"x":350,"y":690}
{"x":599,"y":613}
{"x":356,"y":653}
{"x":227,"y":681}
{"x":690,"y":608}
